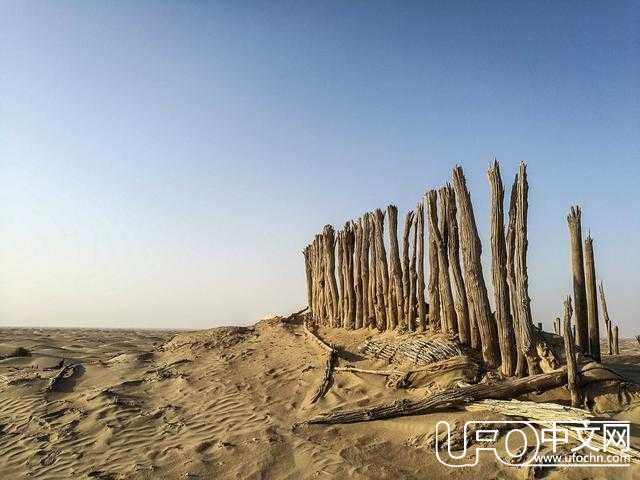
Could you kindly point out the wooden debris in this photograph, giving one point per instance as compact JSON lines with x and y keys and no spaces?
{"x":447,"y":399}
{"x":67,"y":371}
{"x":329,"y":364}
{"x":607,"y":320}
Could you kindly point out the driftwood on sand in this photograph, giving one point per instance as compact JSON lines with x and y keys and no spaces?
{"x":329,"y":364}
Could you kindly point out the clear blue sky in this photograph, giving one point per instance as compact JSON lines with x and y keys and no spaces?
{"x":162,"y":164}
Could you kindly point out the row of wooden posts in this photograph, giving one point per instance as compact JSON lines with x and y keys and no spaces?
{"x":353,"y":282}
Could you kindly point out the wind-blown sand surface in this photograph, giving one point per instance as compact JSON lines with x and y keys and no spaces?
{"x":219,"y":404}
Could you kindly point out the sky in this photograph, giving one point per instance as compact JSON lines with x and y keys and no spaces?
{"x":162,"y":164}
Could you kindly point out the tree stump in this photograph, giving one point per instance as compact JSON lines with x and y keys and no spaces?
{"x":579,"y":289}
{"x":592,"y":299}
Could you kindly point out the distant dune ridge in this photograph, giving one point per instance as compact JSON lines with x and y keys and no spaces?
{"x":230,"y":403}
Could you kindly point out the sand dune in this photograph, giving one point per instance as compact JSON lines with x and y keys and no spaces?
{"x":218,"y":404}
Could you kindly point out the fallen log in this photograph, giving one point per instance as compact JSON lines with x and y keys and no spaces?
{"x":328,"y":366}
{"x":292,"y":318}
{"x":448,"y":365}
{"x":471,"y":393}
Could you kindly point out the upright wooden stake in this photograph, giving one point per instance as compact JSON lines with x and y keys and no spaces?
{"x":413,"y":280}
{"x":449,"y":321}
{"x":506,"y":337}
{"x":357,"y":277}
{"x":607,"y":320}
{"x":364,"y":270}
{"x":436,"y":321}
{"x":422,"y":307}
{"x":557,"y":326}
{"x":308,"y":272}
{"x":616,"y":344}
{"x":328,"y":239}
{"x":373,"y":276}
{"x":406,"y":274}
{"x":342,"y":311}
{"x":395,"y":266}
{"x":383,"y":269}
{"x":529,"y":335}
{"x":579,"y":289}
{"x":573,"y":382}
{"x":521,"y":364}
{"x":592,"y":299}
{"x":459,"y":289}
{"x":471,"y":252}
{"x":351,"y":294}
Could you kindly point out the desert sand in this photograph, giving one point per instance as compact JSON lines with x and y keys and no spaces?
{"x":225,"y":403}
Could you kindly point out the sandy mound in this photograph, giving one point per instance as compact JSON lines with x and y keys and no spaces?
{"x":222,"y":403}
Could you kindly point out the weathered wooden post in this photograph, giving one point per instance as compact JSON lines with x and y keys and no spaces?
{"x":557,"y":326}
{"x":351,"y":294}
{"x":506,"y":337}
{"x":449,"y":321}
{"x":459,"y":289}
{"x":357,"y":277}
{"x":579,"y":289}
{"x":395,"y":266}
{"x":383,"y":269}
{"x":413,"y":281}
{"x":521,"y":363}
{"x":406,"y":273}
{"x":616,"y":338}
{"x":340,"y":272}
{"x":422,"y":313}
{"x":328,"y":238}
{"x":309,"y":276}
{"x":592,"y":299}
{"x":529,"y":335}
{"x":607,"y":320}
{"x":471,"y":252}
{"x":436,"y":322}
{"x":573,"y":382}
{"x":364,"y":271}
{"x":373,"y":275}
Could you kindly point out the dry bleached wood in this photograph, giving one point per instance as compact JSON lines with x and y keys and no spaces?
{"x":433,"y":287}
{"x":607,"y":320}
{"x":528,"y":333}
{"x":447,"y":399}
{"x":573,"y":381}
{"x":593,"y":326}
{"x":453,"y":251}
{"x":521,"y":365}
{"x":329,"y":364}
{"x":65,"y":372}
{"x":367,"y":311}
{"x":616,"y":344}
{"x":396,"y":296}
{"x":449,"y":321}
{"x":579,"y":289}
{"x":328,"y":238}
{"x":413,"y":279}
{"x":357,"y":279}
{"x":504,"y":321}
{"x":474,"y":280}
{"x":406,"y":271}
{"x":422,"y":307}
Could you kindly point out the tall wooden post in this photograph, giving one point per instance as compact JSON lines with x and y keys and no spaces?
{"x":508,"y":348}
{"x":570,"y":355}
{"x":340,"y":272}
{"x":383,"y":269}
{"x":413,"y":281}
{"x":395,"y":266}
{"x":328,"y":238}
{"x":579,"y":289}
{"x":357,"y":277}
{"x":436,"y":321}
{"x":373,"y":275}
{"x":529,"y":335}
{"x":308,"y":275}
{"x":364,"y":270}
{"x":607,"y":320}
{"x":616,"y":343}
{"x":406,"y":273}
{"x":592,"y":299}
{"x":521,"y":363}
{"x":449,"y":321}
{"x":422,"y":310}
{"x":471,"y":252}
{"x":351,"y":294}
{"x":453,"y":251}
